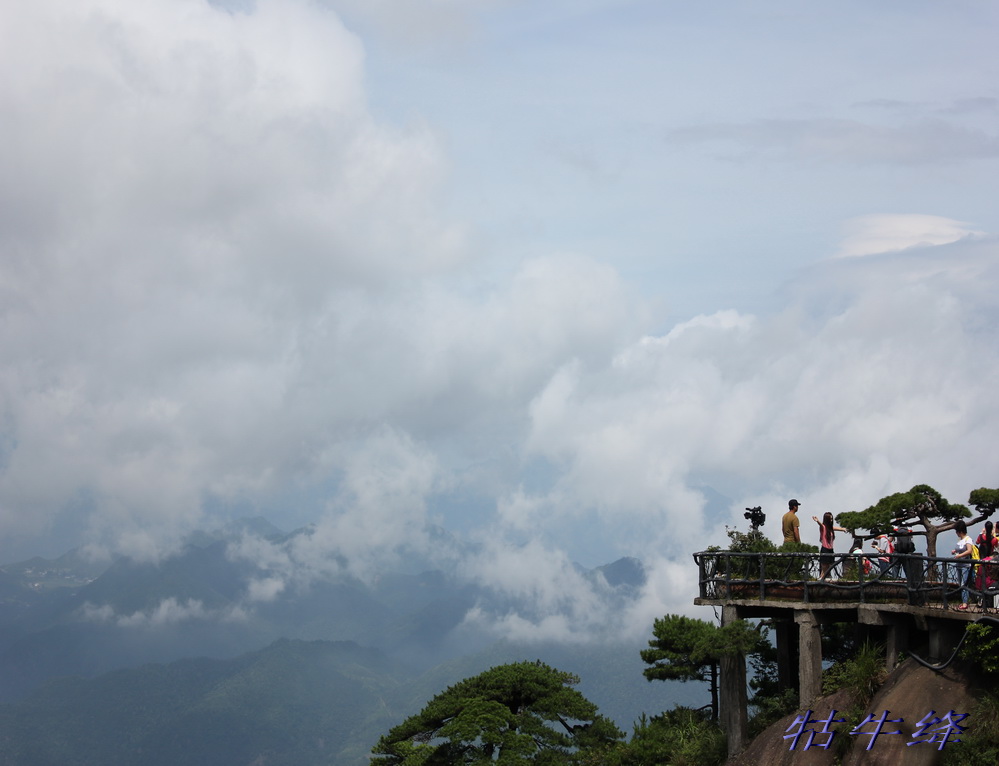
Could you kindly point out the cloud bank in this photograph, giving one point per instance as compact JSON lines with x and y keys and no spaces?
{"x":228,"y":285}
{"x":871,"y":234}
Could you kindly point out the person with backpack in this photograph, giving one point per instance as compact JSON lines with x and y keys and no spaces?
{"x":912,"y":565}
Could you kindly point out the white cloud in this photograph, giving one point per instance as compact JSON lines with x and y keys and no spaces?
{"x":236,"y":273}
{"x":378,"y":516}
{"x":670,"y":589}
{"x":539,"y":595}
{"x":886,"y":233}
{"x":515,"y":627}
{"x":223,"y":275}
{"x":181,"y":205}
{"x":265,"y":589}
{"x":169,"y":611}
{"x":873,"y":377}
{"x":381,"y":508}
{"x":549,"y":598}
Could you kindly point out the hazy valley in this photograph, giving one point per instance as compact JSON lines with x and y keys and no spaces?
{"x":214,"y":656}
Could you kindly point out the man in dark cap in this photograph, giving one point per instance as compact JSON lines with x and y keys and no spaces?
{"x":789,"y":523}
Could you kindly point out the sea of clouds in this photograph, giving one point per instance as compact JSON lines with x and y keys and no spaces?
{"x":225,"y":283}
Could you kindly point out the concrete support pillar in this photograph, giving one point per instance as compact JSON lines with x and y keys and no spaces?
{"x":809,"y":658}
{"x":732,"y":695}
{"x":896,"y":641}
{"x":787,"y":653}
{"x":938,"y":647}
{"x":944,"y":637}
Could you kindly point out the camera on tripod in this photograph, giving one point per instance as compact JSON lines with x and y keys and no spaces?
{"x":757,"y":518}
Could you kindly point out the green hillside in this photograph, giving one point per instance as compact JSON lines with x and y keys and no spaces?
{"x":95,"y":668}
{"x":294,"y":703}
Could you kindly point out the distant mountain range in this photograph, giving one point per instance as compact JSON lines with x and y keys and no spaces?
{"x":292,"y":703}
{"x":97,"y":663}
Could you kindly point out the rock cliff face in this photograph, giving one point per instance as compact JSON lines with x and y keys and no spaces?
{"x":910,"y":693}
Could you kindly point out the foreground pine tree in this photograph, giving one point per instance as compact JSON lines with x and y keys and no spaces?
{"x":525,"y":712}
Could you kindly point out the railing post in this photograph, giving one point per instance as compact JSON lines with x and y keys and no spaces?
{"x":804,"y":575}
{"x":763,"y":588}
{"x":946,"y":578}
{"x":860,"y":575}
{"x":728,"y":576}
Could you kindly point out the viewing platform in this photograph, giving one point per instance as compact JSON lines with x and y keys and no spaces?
{"x":915,"y":603}
{"x":913,"y":579}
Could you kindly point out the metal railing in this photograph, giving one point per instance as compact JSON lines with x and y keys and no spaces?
{"x":912,"y":579}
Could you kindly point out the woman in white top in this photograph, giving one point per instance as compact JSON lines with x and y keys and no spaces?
{"x":962,"y":551}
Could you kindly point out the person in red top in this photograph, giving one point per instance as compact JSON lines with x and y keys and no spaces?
{"x":987,"y":541}
{"x":827,"y":533}
{"x":988,"y":574}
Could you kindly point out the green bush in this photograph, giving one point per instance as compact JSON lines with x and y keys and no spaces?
{"x":747,"y":567}
{"x":980,"y":743}
{"x":749,"y":542}
{"x":981,"y":646}
{"x":771,"y":708}
{"x":861,"y":675}
{"x":679,"y":737}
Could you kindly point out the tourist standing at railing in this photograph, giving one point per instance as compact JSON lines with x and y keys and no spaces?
{"x":909,"y":561}
{"x":987,"y":541}
{"x":988,"y":547}
{"x":963,"y":552}
{"x":827,"y":534}
{"x":885,"y":548}
{"x":789,"y":523}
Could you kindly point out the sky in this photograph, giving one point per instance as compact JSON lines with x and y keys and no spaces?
{"x":572,"y":280}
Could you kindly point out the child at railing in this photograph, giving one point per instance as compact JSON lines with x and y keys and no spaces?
{"x":857,"y":549}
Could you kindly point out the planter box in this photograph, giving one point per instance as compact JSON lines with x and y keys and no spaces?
{"x":842,"y":590}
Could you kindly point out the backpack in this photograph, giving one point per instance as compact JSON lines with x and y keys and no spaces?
{"x":905,"y":543}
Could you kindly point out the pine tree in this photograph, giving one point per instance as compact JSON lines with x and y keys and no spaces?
{"x":524,"y":712}
{"x":922,"y":506}
{"x":686,"y":649}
